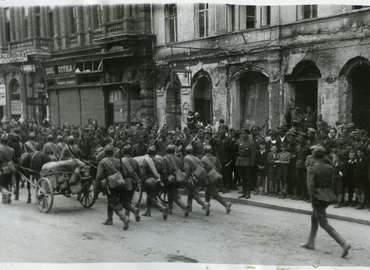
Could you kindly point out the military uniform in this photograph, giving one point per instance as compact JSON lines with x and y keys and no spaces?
{"x":109,"y":166}
{"x":221,"y":144}
{"x":172,"y":163}
{"x":244,"y":165}
{"x":193,"y":184}
{"x":210,"y":162}
{"x":152,"y":169}
{"x":70,"y":152}
{"x":52,"y":150}
{"x":319,"y":185}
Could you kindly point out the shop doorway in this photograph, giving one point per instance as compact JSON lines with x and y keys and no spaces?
{"x":203,"y":100}
{"x":360,"y":81}
{"x":254,"y":100}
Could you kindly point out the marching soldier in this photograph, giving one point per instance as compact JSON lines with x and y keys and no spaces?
{"x":162,"y":144}
{"x":7,"y":169}
{"x":132,"y":174}
{"x":152,"y":170}
{"x":31,"y":145}
{"x":139,"y":149}
{"x":192,"y":185}
{"x":171,"y":164}
{"x":51,"y":149}
{"x":71,"y":151}
{"x":60,"y":143}
{"x":109,"y":166}
{"x":212,"y":163}
{"x":320,"y":177}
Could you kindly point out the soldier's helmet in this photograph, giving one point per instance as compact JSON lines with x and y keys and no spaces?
{"x":319,"y":151}
{"x":4,"y":138}
{"x":207,"y":149}
{"x":60,"y":138}
{"x":189,"y":149}
{"x":171,"y":149}
{"x":70,"y":140}
{"x":152,"y":150}
{"x":126,"y":149}
{"x":109,"y":149}
{"x":32,"y":135}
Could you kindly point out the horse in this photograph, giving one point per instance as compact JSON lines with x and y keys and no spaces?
{"x":30,"y":164}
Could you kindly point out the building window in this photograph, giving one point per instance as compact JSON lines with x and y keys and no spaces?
{"x":309,"y":11}
{"x":96,"y":15}
{"x":73,"y":19}
{"x":51,"y":24}
{"x":265,"y":15}
{"x":171,"y":22}
{"x":203,"y":20}
{"x":231,"y":18}
{"x":250,"y":16}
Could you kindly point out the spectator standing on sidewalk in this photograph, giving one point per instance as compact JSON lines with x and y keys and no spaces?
{"x":283,"y":169}
{"x":337,"y":182}
{"x":262,"y":169}
{"x":362,"y":178}
{"x":349,"y":180}
{"x":272,"y":171}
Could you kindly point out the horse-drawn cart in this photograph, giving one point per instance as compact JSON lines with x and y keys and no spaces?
{"x":64,"y":177}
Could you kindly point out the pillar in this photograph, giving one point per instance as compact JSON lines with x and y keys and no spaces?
{"x":17,"y":23}
{"x":30,"y":22}
{"x":43,"y":21}
{"x":12,"y":25}
{"x":105,"y":19}
{"x":2,"y":30}
{"x":56,"y":22}
{"x":80,"y":27}
{"x":87,"y":14}
{"x":63,"y":26}
{"x":5,"y":119}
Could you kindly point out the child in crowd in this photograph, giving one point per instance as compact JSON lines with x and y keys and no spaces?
{"x":361,"y":176}
{"x":262,"y":168}
{"x":283,"y":169}
{"x":337,"y":180}
{"x":349,"y":180}
{"x":272,"y":173}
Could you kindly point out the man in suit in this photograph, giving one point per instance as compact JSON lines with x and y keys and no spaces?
{"x":319,"y":185}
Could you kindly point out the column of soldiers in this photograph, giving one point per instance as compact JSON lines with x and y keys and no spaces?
{"x":273,"y":165}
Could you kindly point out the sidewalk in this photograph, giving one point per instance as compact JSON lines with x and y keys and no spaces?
{"x":345,"y":213}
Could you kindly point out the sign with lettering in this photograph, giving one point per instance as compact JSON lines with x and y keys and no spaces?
{"x":28,"y":68}
{"x":68,"y":81}
{"x":62,"y":69}
{"x":16,"y":106}
{"x":2,"y":95}
{"x":13,"y":57}
{"x":37,"y":101}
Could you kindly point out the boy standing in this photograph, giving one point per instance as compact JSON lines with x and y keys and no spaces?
{"x":262,"y":169}
{"x":272,"y":173}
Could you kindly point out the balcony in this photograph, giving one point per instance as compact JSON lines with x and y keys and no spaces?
{"x":38,"y":44}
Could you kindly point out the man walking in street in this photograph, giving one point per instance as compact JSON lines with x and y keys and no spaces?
{"x":7,"y":169}
{"x":71,"y":150}
{"x":152,"y":170}
{"x":31,"y":145}
{"x":109,"y":166}
{"x":319,"y":185}
{"x":192,"y":165}
{"x":211,"y":163}
{"x":51,"y":149}
{"x":172,"y":164}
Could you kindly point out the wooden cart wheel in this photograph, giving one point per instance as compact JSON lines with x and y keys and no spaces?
{"x":86,"y":195}
{"x":44,"y":195}
{"x":162,"y":196}
{"x":137,"y":195}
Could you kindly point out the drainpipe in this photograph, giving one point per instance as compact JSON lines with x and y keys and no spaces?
{"x":153,"y":64}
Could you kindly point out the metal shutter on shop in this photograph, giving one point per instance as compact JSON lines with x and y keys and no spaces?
{"x":69,"y":106}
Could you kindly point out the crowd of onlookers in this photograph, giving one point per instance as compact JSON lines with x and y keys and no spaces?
{"x":272,"y":164}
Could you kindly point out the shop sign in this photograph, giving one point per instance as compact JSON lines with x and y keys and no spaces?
{"x":2,"y":95}
{"x":37,"y":101}
{"x":13,"y":57}
{"x":28,"y":68}
{"x":65,"y":82}
{"x":62,"y":69}
{"x":16,"y":106}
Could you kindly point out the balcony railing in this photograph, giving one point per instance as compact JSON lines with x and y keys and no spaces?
{"x":28,"y":44}
{"x":114,"y":27}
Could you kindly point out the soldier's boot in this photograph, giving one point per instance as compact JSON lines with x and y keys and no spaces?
{"x":135,"y":211}
{"x":109,"y":220}
{"x":190,"y":203}
{"x":339,"y":239}
{"x":207,"y":195}
{"x":170,"y":206}
{"x":248,"y":195}
{"x":180,"y":203}
{"x":161,"y":208}
{"x":125,"y":219}
{"x":228,"y":207}
{"x":261,"y":192}
{"x":6,"y":196}
{"x":147,"y":212}
{"x":243,"y":192}
{"x":311,"y":239}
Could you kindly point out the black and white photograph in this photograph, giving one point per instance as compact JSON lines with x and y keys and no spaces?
{"x":184,"y":135}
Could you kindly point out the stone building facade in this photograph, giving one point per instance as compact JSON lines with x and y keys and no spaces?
{"x":79,"y":62}
{"x":250,"y":65}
